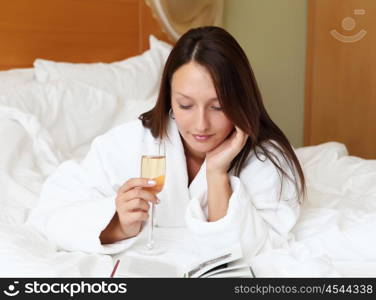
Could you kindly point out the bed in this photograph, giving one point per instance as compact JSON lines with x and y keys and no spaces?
{"x":53,"y":102}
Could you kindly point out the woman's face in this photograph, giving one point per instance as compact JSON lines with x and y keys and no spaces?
{"x":197,"y":111}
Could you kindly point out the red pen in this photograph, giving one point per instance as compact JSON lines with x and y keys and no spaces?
{"x":115,"y":267}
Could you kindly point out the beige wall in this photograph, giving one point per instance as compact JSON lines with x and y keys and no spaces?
{"x":273,"y":34}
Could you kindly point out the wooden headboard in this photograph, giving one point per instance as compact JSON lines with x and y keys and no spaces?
{"x":341,"y":75}
{"x":74,"y":30}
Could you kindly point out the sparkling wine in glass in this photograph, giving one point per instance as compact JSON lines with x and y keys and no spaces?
{"x":153,"y":167}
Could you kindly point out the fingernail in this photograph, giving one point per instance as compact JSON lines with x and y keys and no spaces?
{"x":151,"y":182}
{"x":158,"y":201}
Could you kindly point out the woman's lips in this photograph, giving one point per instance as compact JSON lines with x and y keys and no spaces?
{"x":202,"y":138}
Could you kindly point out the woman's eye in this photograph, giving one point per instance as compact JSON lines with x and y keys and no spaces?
{"x":184,"y":106}
{"x":217,"y":108}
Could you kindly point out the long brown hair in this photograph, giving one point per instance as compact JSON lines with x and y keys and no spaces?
{"x":238,"y":94}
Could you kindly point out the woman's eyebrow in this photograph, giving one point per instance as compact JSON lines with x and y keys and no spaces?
{"x":185,"y":96}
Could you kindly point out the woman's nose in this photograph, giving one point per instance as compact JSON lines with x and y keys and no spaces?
{"x":202,"y":123}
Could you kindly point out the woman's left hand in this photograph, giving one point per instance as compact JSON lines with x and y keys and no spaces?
{"x":220,"y":158}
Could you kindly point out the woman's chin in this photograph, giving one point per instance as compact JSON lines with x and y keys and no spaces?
{"x":202,"y":148}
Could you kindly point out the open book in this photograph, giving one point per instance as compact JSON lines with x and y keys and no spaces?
{"x":223,"y":264}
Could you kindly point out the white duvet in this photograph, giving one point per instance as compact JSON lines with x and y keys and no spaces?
{"x":333,"y":237}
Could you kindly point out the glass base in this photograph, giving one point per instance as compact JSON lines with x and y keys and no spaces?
{"x":150,"y":245}
{"x":150,"y":248}
{"x":153,"y":251}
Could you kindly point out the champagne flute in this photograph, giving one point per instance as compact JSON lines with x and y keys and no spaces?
{"x":153,"y":167}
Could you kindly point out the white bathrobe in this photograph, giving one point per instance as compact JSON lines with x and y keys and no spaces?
{"x":78,"y":200}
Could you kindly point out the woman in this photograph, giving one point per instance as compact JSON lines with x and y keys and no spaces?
{"x":231,"y":173}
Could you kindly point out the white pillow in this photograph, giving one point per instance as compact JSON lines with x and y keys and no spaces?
{"x":136,"y":78}
{"x":73,"y":113}
{"x":15,"y":77}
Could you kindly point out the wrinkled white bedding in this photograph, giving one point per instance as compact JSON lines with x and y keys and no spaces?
{"x":333,"y":237}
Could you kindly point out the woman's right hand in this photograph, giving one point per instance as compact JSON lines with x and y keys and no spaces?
{"x":132,"y":205}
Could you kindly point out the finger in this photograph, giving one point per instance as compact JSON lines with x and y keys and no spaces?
{"x":137,"y":204}
{"x":136,"y":193}
{"x":239,"y":131}
{"x":242,"y":135}
{"x":137,"y":216}
{"x":136,"y":182}
{"x":142,"y":193}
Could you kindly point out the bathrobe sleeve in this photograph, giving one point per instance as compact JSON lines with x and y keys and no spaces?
{"x":76,"y":204}
{"x":256,"y":217}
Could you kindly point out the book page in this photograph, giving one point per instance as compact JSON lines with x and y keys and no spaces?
{"x":244,"y":272}
{"x":132,"y":266}
{"x":214,"y":261}
{"x":237,"y":268}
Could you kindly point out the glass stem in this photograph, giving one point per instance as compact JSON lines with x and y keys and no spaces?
{"x":151,"y":237}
